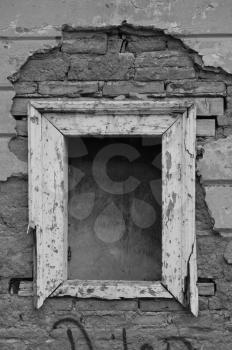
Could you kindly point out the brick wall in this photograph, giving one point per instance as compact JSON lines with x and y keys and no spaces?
{"x":123,"y":63}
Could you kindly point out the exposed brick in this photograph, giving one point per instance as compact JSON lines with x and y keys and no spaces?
{"x":106,"y":67}
{"x":216,"y":163}
{"x":54,"y":67}
{"x":179,"y":344}
{"x":67,"y":88}
{"x":227,"y":131}
{"x":145,"y":43}
{"x":203,"y":303}
{"x":4,"y":285}
{"x":160,"y":305}
{"x":164,"y":73}
{"x":24,"y":88}
{"x":114,"y":44}
{"x":99,"y":305}
{"x":12,"y":344}
{"x":163,"y":65}
{"x":196,"y":88}
{"x":210,"y":261}
{"x":223,"y":297}
{"x":224,"y":120}
{"x":85,"y":42}
{"x":161,"y":59}
{"x":229,"y":90}
{"x":126,"y":87}
{"x":16,"y":256}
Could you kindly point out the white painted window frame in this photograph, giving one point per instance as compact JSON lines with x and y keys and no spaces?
{"x":49,"y":124}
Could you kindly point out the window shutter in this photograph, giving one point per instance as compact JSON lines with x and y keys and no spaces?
{"x":178,"y":195}
{"x":47,"y":204}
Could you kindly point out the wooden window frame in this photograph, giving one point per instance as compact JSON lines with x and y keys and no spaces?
{"x":49,"y":122}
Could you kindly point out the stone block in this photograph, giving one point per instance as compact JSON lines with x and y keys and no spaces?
{"x":196,"y":88}
{"x":104,"y":67}
{"x":84,"y":42}
{"x":216,"y":163}
{"x":125,"y":87}
{"x":137,"y":44}
{"x":67,"y":88}
{"x":219,"y":201}
{"x":48,"y":67}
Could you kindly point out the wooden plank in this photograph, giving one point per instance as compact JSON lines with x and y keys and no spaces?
{"x":206,"y":127}
{"x":208,"y":106}
{"x":84,"y":124}
{"x":46,"y":18}
{"x":112,"y":289}
{"x":178,"y":241}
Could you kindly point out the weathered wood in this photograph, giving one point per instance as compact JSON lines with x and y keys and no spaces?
{"x":205,"y":127}
{"x":112,"y":289}
{"x":47,"y":203}
{"x":106,"y":106}
{"x":36,"y":200}
{"x":179,"y":254}
{"x":189,"y":262}
{"x":178,"y":193}
{"x":209,"y":106}
{"x":86,"y":124}
{"x":204,"y":289}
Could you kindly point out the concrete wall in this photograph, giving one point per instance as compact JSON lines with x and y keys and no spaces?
{"x":153,"y":64}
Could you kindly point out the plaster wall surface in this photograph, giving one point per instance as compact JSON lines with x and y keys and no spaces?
{"x":122,"y":62}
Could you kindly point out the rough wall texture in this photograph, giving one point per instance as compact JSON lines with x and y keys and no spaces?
{"x":137,"y":63}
